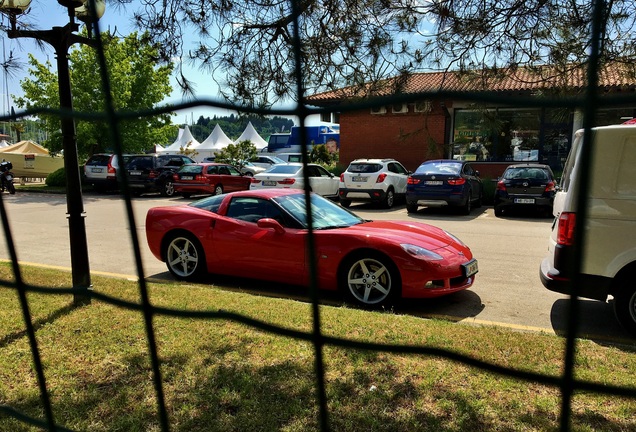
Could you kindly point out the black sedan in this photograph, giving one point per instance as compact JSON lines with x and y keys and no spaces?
{"x":526,"y":186}
{"x":444,"y":182}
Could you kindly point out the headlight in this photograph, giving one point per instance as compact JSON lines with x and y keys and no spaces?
{"x":420,"y":252}
{"x":455,"y":238}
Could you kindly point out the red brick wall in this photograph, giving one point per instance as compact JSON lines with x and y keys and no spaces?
{"x":411,"y":138}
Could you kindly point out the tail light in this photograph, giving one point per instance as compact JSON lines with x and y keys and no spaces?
{"x":412,"y":181}
{"x":153,"y":174}
{"x":550,"y":187}
{"x":456,"y":182}
{"x":501,"y":186}
{"x":199,"y":177}
{"x":381,"y":178}
{"x":287,"y":181}
{"x":175,"y":177}
{"x":110,"y":170}
{"x":565,"y":232}
{"x":342,"y":177}
{"x":255,"y":180}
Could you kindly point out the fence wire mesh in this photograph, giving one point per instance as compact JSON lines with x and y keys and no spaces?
{"x":567,"y":383}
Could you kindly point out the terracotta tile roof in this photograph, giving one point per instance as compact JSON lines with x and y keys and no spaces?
{"x":616,"y":76}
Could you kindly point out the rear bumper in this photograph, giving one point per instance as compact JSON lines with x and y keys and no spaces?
{"x":510,"y":201}
{"x":589,"y":286}
{"x":372,"y":195}
{"x":432,"y":200}
{"x":193,"y":188}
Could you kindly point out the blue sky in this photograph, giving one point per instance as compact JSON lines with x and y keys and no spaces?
{"x":44,"y":14}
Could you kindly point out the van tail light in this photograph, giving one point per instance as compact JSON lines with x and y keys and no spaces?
{"x":381,"y":178}
{"x":456,"y":182}
{"x":342,"y":177}
{"x":287,"y":181}
{"x":550,"y":187}
{"x":565,"y":232}
{"x":501,"y":186}
{"x":412,"y":181}
{"x":153,"y":174}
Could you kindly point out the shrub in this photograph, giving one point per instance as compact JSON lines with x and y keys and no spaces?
{"x":56,"y":178}
{"x":489,"y":190}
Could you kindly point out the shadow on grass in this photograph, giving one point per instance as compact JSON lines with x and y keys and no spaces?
{"x":37,"y":324}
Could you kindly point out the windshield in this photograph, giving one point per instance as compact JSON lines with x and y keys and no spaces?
{"x":277,"y":160}
{"x":191,"y":169}
{"x":326,"y":214}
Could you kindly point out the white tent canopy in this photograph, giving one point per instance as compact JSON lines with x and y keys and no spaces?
{"x":214,"y":142}
{"x":250,"y":134}
{"x":182,"y":141}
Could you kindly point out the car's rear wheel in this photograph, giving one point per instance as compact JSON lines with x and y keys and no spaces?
{"x":370,"y":279}
{"x":218,"y":189}
{"x":625,"y":305}
{"x":168,"y":188}
{"x":411,"y":207}
{"x":345,"y":203}
{"x":249,"y":174}
{"x":498,"y":211}
{"x":185,"y":257}
{"x":389,"y":198}
{"x":469,"y":204}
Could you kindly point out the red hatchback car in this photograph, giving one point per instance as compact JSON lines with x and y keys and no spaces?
{"x":263,"y":234}
{"x":209,"y":178}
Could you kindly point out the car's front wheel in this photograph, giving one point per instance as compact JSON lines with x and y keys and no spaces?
{"x":185,"y":257}
{"x":625,"y":305}
{"x":370,"y":280}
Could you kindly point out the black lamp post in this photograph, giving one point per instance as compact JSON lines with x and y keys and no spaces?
{"x":61,"y":39}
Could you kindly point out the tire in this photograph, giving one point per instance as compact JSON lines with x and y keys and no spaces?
{"x":185,"y":257}
{"x":370,"y":280}
{"x":498,"y":211}
{"x":389,"y":199}
{"x":345,"y":203}
{"x":218,"y":189}
{"x":480,"y":200}
{"x":249,"y":174}
{"x":466,"y":208}
{"x":186,"y":195}
{"x":411,"y":207}
{"x":167,"y":189}
{"x":625,"y":305}
{"x":11,"y":188}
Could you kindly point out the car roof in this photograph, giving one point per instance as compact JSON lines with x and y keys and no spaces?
{"x":377,"y":160}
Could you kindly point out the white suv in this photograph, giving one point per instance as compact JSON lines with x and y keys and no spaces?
{"x":374,"y":180}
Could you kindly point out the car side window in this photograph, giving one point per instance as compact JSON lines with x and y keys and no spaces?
{"x":321,"y":172}
{"x":253,"y":209}
{"x":224,"y":170}
{"x":213,"y":169}
{"x":400,"y":169}
{"x":233,"y":171}
{"x":468,"y":170}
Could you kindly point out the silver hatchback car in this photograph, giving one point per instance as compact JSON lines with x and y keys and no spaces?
{"x":100,"y":171}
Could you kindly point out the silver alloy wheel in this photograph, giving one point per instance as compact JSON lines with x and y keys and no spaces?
{"x":218,"y":190}
{"x":390,"y":198}
{"x":369,"y":281}
{"x":182,"y":257}
{"x":168,"y":188}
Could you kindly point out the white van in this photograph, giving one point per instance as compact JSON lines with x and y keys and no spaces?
{"x":609,"y":253}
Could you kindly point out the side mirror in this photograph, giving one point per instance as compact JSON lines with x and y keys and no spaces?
{"x":269,"y":223}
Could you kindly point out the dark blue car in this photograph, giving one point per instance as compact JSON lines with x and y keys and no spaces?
{"x":525,"y":186}
{"x":444,"y":182}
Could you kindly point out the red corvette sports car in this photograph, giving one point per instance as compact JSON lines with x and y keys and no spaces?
{"x":263,"y":234}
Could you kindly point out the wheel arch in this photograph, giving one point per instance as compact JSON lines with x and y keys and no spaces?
{"x":624,"y":274}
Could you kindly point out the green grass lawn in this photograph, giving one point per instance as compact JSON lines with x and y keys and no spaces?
{"x":222,"y":375}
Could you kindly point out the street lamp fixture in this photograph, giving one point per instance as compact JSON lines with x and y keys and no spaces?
{"x":61,"y":39}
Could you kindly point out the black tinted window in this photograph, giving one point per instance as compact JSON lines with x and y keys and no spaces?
{"x":98,"y":160}
{"x":364,"y":167}
{"x":139,"y":163}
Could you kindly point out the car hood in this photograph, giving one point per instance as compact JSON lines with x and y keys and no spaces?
{"x":416,"y":233}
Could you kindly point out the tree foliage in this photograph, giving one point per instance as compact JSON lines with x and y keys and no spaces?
{"x":138,"y":83}
{"x":237,"y":154}
{"x":250,"y":48}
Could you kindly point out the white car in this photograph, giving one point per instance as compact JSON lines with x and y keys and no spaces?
{"x":374,"y":180}
{"x":291,"y":176}
{"x":267,"y":161}
{"x":250,"y":169}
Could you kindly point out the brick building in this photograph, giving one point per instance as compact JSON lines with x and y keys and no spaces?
{"x":434,"y":115}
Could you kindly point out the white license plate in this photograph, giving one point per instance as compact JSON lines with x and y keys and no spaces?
{"x":269,"y":183}
{"x":433,"y":182}
{"x":134,"y":172}
{"x":96,"y":170}
{"x":524,"y":200}
{"x":470,"y":268}
{"x":187,"y":178}
{"x":358,"y":179}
